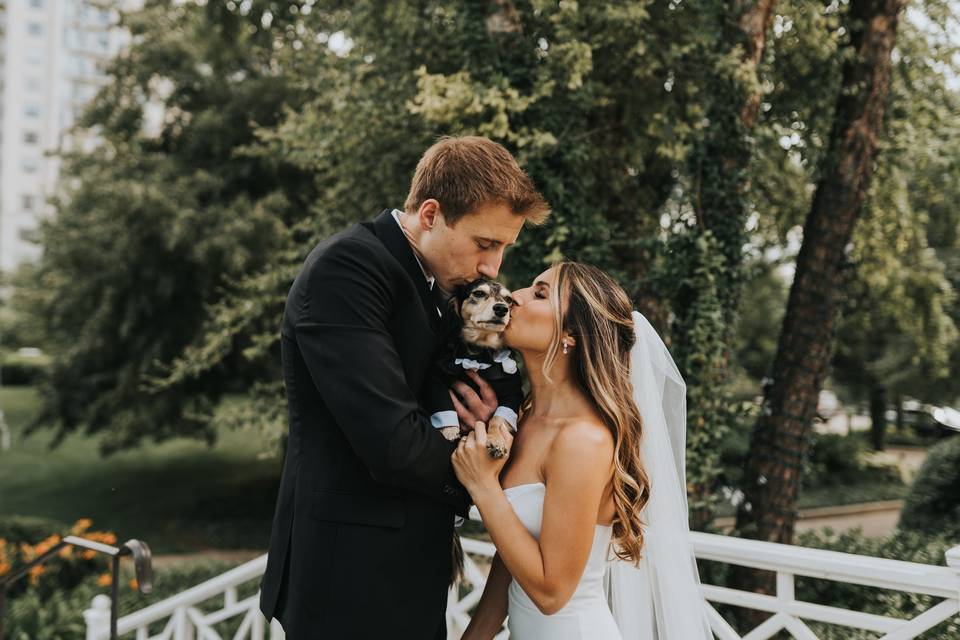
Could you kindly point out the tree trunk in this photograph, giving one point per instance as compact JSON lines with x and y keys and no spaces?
{"x":706,"y":307}
{"x":878,"y":418}
{"x":781,"y":435}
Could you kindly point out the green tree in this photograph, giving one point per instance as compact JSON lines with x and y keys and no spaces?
{"x":159,"y":221}
{"x":779,"y":440}
{"x":597,"y":101}
{"x":898,"y":331}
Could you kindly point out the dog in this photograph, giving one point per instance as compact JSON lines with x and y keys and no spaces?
{"x":474,"y":342}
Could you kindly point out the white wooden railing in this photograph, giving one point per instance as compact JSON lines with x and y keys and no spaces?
{"x":789,"y":561}
{"x":182,"y":618}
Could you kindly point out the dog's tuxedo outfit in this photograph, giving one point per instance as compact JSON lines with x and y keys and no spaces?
{"x":361,"y":539}
{"x":496,"y":367}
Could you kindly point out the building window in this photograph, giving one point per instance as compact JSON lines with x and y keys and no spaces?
{"x":33,"y":84}
{"x":32,"y":111}
{"x":35,"y":29}
{"x":36,"y":4}
{"x":30,"y":165}
{"x":27,"y":234}
{"x":28,"y":202}
{"x":34,"y":55}
{"x":31,"y":137}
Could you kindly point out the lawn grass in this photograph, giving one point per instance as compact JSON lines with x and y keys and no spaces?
{"x":178,"y":496}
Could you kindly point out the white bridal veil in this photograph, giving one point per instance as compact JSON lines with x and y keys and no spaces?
{"x":661,"y":599}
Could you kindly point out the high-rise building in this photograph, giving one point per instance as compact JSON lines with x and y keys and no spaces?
{"x":52,"y":59}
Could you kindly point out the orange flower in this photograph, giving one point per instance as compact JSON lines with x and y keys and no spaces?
{"x":66,"y":552}
{"x":35,"y":573}
{"x":88,"y":554}
{"x":104,"y":580}
{"x":5,"y":567}
{"x":133,"y":584}
{"x":80,"y":526}
{"x":47,"y":544}
{"x":102,"y":536}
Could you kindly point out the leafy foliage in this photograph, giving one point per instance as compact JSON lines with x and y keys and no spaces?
{"x":933,"y":504}
{"x":236,"y":135}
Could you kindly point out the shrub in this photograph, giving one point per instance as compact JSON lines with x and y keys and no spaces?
{"x":29,"y":530}
{"x":933,"y":504}
{"x":835,"y":459}
{"x":22,"y":370}
{"x":29,"y":539}
{"x":59,"y":615}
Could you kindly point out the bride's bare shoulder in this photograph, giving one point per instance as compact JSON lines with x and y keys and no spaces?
{"x":584,"y":437}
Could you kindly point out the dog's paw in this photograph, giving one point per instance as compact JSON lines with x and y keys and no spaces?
{"x":451,"y":433}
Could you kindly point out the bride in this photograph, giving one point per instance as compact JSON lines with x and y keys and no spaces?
{"x":595,"y":474}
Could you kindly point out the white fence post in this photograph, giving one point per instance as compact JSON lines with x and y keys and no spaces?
{"x":953,"y":561}
{"x":953,"y":557}
{"x":97,"y":618}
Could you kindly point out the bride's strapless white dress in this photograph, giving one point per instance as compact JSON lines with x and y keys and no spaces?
{"x":586,"y":616}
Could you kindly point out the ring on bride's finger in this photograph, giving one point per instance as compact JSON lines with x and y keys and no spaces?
{"x":496,"y":451}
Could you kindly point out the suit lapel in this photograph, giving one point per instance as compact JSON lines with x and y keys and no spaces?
{"x":389,"y":233}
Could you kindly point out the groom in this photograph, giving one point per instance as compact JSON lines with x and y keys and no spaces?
{"x":361,"y":540}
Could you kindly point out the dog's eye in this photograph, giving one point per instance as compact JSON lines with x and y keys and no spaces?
{"x":479,"y":295}
{"x":508,"y":300}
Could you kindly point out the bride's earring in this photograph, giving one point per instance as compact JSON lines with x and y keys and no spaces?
{"x":565,"y":347}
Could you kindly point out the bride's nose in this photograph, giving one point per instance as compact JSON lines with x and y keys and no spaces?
{"x":519,"y":297}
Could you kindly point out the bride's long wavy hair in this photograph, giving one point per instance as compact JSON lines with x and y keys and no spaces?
{"x":594,"y":309}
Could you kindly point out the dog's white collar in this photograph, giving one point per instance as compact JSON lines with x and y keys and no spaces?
{"x":503,"y":357}
{"x":472,"y":365}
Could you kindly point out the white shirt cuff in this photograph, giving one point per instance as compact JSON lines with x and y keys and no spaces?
{"x":442,"y":419}
{"x":507,"y":414}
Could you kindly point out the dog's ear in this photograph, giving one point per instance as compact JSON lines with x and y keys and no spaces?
{"x":453,"y":305}
{"x":452,"y":322}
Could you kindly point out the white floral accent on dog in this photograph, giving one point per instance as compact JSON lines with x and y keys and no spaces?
{"x":503,"y":357}
{"x":472,"y":365}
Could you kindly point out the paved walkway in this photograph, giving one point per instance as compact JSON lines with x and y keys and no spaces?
{"x":877,"y":519}
{"x":234,"y":555}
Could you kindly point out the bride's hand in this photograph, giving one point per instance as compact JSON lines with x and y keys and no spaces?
{"x":476,"y":469}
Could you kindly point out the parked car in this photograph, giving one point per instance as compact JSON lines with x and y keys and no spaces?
{"x":928,"y":419}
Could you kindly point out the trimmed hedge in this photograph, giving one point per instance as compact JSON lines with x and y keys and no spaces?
{"x":933,"y":504}
{"x":22,"y":370}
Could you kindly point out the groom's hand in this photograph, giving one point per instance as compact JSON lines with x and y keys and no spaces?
{"x":471,"y":407}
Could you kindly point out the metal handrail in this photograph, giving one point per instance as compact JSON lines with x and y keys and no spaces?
{"x":142,"y":562}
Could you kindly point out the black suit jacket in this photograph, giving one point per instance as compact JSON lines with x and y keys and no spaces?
{"x":362,"y":534}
